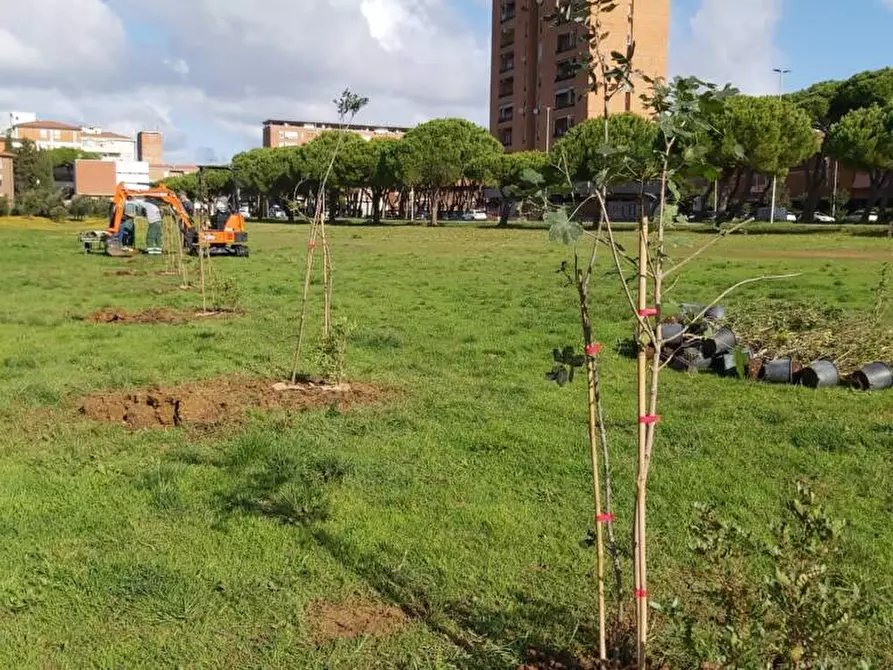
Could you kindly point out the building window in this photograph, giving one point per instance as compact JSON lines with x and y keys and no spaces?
{"x":507,"y":62}
{"x":507,"y":37}
{"x":508,"y":10}
{"x":562,"y":125}
{"x":566,"y":69}
{"x":565,"y":99}
{"x":506,"y":112}
{"x":505,"y":136}
{"x":44,"y":133}
{"x":506,"y":87}
{"x":57,"y":134}
{"x":566,"y":42}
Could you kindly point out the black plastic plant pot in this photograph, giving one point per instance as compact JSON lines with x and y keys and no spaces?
{"x":722,"y":342}
{"x":727,"y":364}
{"x":779,"y":371}
{"x":873,"y":377}
{"x":672,"y":334}
{"x":715,"y":313}
{"x":820,"y":374}
{"x":690,"y":359}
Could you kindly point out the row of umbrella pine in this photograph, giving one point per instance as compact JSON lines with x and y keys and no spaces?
{"x":707,"y":345}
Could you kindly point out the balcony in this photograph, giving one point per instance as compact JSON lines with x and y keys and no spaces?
{"x":507,"y":38}
{"x":506,"y":113}
{"x":506,"y":138}
{"x":508,"y":12}
{"x":507,"y":87}
{"x":506,"y":63}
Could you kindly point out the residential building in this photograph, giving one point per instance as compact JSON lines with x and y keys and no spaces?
{"x":107,"y":144}
{"x":100,"y":177}
{"x":159,"y":172}
{"x":150,"y":147}
{"x":54,"y":134}
{"x":537,"y":92}
{"x":296,"y":133}
{"x":48,"y":134}
{"x":7,"y":177}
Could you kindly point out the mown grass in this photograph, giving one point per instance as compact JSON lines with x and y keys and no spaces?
{"x":462,"y":500}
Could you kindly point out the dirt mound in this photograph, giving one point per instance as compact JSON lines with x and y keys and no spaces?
{"x":537,"y":659}
{"x":355,"y":618}
{"x":218,"y":400}
{"x":123,"y":273}
{"x":153,"y":315}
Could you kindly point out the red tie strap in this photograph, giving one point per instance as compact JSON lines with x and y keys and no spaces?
{"x":641,"y":594}
{"x":605,"y":518}
{"x":649,"y":419}
{"x":593,"y":349}
{"x":311,"y":244}
{"x":651,"y":311}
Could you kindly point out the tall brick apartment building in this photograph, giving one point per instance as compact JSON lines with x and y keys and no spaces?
{"x":535,"y":93}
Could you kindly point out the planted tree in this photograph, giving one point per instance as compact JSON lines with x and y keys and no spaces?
{"x":440,"y":154}
{"x":817,"y":102}
{"x":766,"y":136}
{"x":380,"y":166}
{"x":511,"y":174}
{"x":864,"y":139}
{"x":348,"y":106}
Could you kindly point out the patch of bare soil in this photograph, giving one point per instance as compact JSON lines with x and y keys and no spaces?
{"x":543,"y":659}
{"x":153,"y":315}
{"x":123,"y":273}
{"x":219,"y":400}
{"x":354,"y":618}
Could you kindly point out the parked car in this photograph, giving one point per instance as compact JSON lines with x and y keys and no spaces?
{"x":824,"y":218}
{"x":781,"y":214}
{"x":856,"y":217}
{"x":276,"y":212}
{"x":475,"y":215}
{"x":245,"y":211}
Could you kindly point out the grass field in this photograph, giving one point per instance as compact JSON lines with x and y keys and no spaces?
{"x":461,"y":499}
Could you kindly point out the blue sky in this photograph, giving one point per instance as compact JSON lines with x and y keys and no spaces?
{"x":208,"y":73}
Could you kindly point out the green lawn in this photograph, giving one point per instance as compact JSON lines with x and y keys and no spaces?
{"x":463,"y":498}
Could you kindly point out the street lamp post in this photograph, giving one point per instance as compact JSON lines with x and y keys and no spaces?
{"x":781,"y":73}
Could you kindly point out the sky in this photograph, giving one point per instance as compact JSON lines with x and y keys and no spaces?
{"x":207,"y":73}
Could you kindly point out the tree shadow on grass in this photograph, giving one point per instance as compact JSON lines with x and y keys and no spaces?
{"x":490,"y":638}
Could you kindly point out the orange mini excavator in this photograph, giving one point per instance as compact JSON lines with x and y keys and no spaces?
{"x":225,"y":233}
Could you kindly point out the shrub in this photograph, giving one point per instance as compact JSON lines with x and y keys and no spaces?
{"x":5,"y":209}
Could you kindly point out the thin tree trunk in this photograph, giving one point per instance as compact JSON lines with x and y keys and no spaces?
{"x":434,"y":204}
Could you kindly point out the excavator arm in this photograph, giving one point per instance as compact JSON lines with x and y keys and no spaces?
{"x":160,"y":194}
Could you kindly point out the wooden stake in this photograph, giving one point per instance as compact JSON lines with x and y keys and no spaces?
{"x":641,"y":590}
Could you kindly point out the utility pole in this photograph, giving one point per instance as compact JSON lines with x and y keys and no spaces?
{"x":548,"y":128}
{"x":781,"y":73}
{"x":836,"y":181}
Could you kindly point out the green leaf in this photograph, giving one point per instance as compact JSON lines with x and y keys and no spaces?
{"x":561,"y":228}
{"x":532,"y":177}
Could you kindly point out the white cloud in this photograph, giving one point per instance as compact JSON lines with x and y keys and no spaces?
{"x":227,"y":65}
{"x":732,"y":41}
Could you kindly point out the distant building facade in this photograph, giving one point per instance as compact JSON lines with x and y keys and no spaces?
{"x":296,"y":133}
{"x":150,"y":147}
{"x":7,"y":177}
{"x":536,"y":91}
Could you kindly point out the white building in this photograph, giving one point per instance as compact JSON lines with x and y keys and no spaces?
{"x":108,"y":145}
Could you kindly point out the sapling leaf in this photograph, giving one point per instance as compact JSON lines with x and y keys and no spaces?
{"x":561,"y":228}
{"x":532,"y":177}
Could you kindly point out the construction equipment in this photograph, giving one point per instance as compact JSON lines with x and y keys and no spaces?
{"x":223,"y":234}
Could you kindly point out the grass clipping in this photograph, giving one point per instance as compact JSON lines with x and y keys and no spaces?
{"x":810,"y":330}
